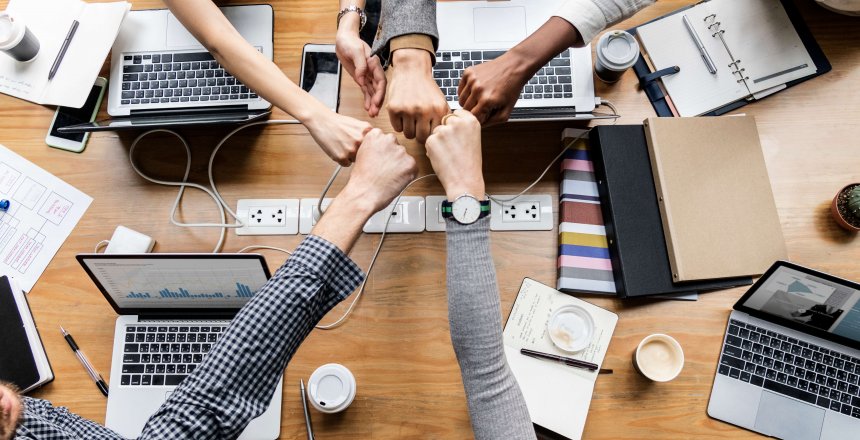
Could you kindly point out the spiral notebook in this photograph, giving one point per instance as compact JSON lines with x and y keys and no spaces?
{"x":755,"y":45}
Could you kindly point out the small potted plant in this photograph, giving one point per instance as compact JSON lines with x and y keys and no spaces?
{"x":846,"y":207}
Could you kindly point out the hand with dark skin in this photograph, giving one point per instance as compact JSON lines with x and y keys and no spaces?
{"x":490,"y":90}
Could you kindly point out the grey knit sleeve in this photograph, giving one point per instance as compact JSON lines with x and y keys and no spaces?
{"x":404,"y":17}
{"x":496,"y":404}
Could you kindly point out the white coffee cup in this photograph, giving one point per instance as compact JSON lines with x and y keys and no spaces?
{"x":331,"y":388}
{"x":16,"y":40}
{"x":659,"y":357}
{"x":616,"y":52}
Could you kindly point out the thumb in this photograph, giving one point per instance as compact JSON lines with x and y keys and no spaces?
{"x":360,"y":69}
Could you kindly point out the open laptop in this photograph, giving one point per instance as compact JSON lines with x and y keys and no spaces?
{"x":478,"y":31}
{"x":790,"y":361}
{"x":173,"y":308}
{"x":162,"y":76}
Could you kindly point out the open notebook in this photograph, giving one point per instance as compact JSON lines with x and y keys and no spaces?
{"x":557,"y":396}
{"x":753,"y":43}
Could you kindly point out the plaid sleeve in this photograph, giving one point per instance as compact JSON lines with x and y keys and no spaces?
{"x":235,"y":382}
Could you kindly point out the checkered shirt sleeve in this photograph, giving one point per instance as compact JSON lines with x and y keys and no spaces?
{"x":235,"y":382}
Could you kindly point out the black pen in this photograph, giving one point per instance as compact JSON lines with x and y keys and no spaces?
{"x":96,"y":377}
{"x":63,"y":50}
{"x":305,"y":407}
{"x":560,"y":359}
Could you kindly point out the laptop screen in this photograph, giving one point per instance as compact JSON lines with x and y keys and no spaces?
{"x":176,"y":281}
{"x":814,"y":301}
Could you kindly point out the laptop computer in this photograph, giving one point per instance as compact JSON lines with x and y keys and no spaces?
{"x":162,"y":76}
{"x":790,"y":360}
{"x":478,"y":31}
{"x":173,"y":308}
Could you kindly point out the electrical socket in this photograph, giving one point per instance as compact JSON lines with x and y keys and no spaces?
{"x":307,"y":220}
{"x":406,"y":216}
{"x":433,"y":220}
{"x":528,"y":212}
{"x":268,"y":216}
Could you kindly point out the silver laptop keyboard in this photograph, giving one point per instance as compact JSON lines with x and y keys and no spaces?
{"x":791,"y":367}
{"x":553,"y":81}
{"x":164,"y":355}
{"x":159,"y":78}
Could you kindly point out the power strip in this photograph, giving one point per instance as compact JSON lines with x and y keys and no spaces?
{"x":406,"y":216}
{"x":529,"y":212}
{"x":268,"y":216}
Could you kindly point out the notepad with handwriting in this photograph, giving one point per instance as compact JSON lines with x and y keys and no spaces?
{"x":557,"y":396}
{"x":753,"y":44}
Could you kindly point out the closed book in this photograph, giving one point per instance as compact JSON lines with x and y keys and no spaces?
{"x":23,"y":361}
{"x":634,"y":228}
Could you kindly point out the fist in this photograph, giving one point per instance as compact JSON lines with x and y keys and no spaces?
{"x":382,"y":169}
{"x":454,"y":150}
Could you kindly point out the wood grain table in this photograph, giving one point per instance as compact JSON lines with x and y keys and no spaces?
{"x":397,"y":341}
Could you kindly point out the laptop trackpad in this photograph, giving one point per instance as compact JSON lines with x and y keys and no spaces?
{"x":500,"y":24}
{"x":789,"y":419}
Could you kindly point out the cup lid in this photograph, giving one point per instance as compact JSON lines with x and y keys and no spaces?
{"x":571,"y":328}
{"x":618,"y":49}
{"x":11,"y":31}
{"x":331,"y":387}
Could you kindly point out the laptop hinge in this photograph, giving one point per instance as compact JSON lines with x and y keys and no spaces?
{"x":190,"y":110}
{"x":187,"y":317}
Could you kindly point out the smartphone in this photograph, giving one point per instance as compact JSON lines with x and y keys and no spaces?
{"x":66,"y":116}
{"x":320,"y":75}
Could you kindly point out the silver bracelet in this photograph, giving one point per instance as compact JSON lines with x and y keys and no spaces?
{"x":353,"y":8}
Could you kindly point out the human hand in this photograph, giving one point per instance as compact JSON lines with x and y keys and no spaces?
{"x":366,"y":70}
{"x":382,"y":169}
{"x":454,"y":150}
{"x":415,"y":102}
{"x":339,"y":136}
{"x":490,"y":90}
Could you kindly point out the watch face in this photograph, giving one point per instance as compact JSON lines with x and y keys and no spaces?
{"x":466,"y":210}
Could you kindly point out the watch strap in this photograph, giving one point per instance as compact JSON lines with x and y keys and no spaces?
{"x":448,"y":209}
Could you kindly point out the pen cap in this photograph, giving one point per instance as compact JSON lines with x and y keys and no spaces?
{"x":331,"y":388}
{"x":616,"y":52}
{"x":16,"y":40}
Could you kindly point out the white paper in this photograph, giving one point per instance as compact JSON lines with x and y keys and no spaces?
{"x":557,"y":396}
{"x":50,"y":21}
{"x":42,"y":213}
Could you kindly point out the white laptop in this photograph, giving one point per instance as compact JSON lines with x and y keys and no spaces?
{"x":173,"y":308}
{"x":472,"y":32}
{"x":162,"y":76}
{"x":790,"y":361}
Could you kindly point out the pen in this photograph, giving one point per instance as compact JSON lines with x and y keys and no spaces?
{"x":63,"y":50}
{"x":96,"y":377}
{"x":305,"y":407}
{"x":709,"y":63}
{"x":560,"y":359}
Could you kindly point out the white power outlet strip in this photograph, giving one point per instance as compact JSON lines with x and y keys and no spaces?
{"x":433,"y":214}
{"x":268,"y":216}
{"x":406,"y":216}
{"x":307,"y":220}
{"x":529,"y":212}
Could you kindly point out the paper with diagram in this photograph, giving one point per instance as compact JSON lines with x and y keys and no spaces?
{"x":42,"y":213}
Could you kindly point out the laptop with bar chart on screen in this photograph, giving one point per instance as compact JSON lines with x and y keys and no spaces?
{"x":172,"y":310}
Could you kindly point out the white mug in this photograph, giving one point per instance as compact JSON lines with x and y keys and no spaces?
{"x":659,"y":357}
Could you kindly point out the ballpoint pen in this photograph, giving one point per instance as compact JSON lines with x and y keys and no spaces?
{"x":96,"y":377}
{"x":63,"y":49}
{"x":709,"y":63}
{"x":560,"y":359}
{"x":305,"y":407}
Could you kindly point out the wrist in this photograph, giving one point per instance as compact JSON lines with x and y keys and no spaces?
{"x":350,"y":23}
{"x":312,"y":112}
{"x":520,"y":64}
{"x":412,"y":59}
{"x":474,"y":189}
{"x":359,"y":203}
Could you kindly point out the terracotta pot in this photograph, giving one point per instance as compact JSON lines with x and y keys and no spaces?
{"x":834,"y":209}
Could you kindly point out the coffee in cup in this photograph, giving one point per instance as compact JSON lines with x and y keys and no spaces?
{"x":616,"y":52}
{"x":659,"y":357}
{"x":331,"y":388}
{"x":16,"y":40}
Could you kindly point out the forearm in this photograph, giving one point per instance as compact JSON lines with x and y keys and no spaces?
{"x":206,"y":23}
{"x":552,"y":38}
{"x":496,"y":404}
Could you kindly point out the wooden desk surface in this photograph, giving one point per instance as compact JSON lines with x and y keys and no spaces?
{"x":397,"y":342}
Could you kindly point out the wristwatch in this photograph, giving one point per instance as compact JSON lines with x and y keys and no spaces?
{"x":466,"y":209}
{"x":353,"y":8}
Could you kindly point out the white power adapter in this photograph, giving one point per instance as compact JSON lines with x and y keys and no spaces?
{"x":128,"y":241}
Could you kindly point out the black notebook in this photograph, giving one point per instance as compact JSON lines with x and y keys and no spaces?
{"x":23,"y":361}
{"x":634,"y":229}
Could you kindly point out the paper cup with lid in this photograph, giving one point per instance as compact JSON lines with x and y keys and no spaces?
{"x":16,"y":40}
{"x":616,"y":52}
{"x":331,"y":388}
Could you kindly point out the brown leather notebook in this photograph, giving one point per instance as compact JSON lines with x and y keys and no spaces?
{"x":715,"y":198}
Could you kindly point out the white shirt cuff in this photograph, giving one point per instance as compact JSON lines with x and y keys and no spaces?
{"x":585,"y":16}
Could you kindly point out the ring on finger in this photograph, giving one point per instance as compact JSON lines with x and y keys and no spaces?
{"x":445,"y":118}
